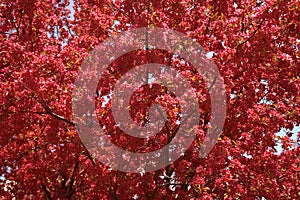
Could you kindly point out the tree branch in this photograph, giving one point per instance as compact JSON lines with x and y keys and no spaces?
{"x":48,"y":195}
{"x":50,"y":112}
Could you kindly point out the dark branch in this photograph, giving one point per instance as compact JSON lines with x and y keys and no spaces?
{"x":48,"y":195}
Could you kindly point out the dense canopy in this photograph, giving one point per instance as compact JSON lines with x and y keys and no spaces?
{"x":254,"y":44}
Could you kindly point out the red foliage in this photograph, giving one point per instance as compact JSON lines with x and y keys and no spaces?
{"x":256,"y":48}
